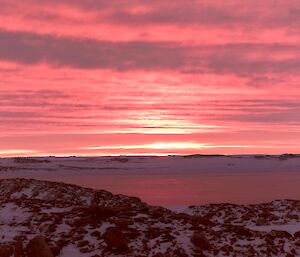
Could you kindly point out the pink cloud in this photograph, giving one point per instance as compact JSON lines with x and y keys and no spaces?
{"x":142,"y":73}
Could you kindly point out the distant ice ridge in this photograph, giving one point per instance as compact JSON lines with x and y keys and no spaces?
{"x":152,"y":165}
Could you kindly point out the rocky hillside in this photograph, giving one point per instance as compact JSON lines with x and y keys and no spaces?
{"x":46,"y":219}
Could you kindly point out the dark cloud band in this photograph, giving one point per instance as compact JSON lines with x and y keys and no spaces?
{"x":30,"y":49}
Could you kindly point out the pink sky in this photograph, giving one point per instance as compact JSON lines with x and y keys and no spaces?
{"x":98,"y":77}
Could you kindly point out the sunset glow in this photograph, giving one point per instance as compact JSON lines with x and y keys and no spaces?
{"x":149,"y":77}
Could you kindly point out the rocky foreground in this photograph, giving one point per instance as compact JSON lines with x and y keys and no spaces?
{"x":46,"y":219}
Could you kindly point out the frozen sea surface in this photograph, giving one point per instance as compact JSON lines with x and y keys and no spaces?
{"x":172,"y":181}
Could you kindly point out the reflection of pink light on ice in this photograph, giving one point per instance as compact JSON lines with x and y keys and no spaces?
{"x":191,"y":190}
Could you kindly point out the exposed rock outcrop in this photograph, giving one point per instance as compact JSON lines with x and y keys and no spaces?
{"x":49,"y":219}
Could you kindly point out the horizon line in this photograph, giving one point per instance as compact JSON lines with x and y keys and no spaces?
{"x":149,"y":155}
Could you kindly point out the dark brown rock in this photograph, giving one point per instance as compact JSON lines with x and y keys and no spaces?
{"x":297,"y":234}
{"x":242,"y":231}
{"x":82,"y":243}
{"x":279,"y":234}
{"x":227,"y":249}
{"x":292,"y":216}
{"x":55,"y":250}
{"x":260,"y":222}
{"x":5,"y":251}
{"x":99,"y":212}
{"x":84,"y":250}
{"x":203,"y":221}
{"x":37,"y":247}
{"x":153,"y":232}
{"x":200,"y":240}
{"x":115,"y":239}
{"x":18,"y":248}
{"x":297,"y":243}
{"x":96,"y":234}
{"x":62,"y":243}
{"x":290,"y":255}
{"x":123,"y":223}
{"x":133,"y":233}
